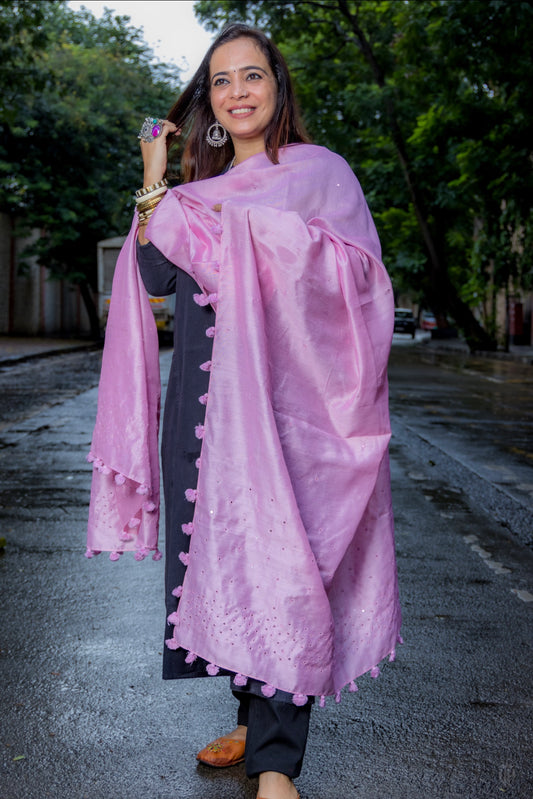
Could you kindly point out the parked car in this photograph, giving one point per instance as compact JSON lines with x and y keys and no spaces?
{"x":427,"y":321}
{"x":404,"y":321}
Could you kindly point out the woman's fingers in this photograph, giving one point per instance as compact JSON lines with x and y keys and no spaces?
{"x":154,"y":152}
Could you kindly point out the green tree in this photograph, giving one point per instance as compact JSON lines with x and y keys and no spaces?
{"x":69,"y":156}
{"x":427,"y":101}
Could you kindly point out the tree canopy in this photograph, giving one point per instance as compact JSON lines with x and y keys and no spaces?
{"x":75,"y":93}
{"x":430,"y":102}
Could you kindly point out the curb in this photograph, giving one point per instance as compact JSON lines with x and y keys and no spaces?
{"x":498,"y":355}
{"x":12,"y":360}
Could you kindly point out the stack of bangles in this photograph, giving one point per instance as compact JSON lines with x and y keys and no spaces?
{"x":148,"y":198}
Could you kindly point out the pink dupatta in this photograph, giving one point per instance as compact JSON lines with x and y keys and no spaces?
{"x":291,"y":574}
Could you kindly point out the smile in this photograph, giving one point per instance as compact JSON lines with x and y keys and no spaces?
{"x":241,"y":111}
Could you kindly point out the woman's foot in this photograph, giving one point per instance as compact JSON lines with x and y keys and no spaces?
{"x":273,"y":785}
{"x":225,"y":751}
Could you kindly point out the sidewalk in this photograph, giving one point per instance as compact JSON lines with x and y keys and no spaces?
{"x":517,"y":353}
{"x":22,"y":348}
{"x":14,"y":349}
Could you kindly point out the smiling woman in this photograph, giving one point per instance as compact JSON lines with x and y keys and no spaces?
{"x":280,"y":569}
{"x":239,"y":75}
{"x":243,"y":95}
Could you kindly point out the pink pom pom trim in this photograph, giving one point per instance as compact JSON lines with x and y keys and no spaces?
{"x":299,"y":699}
{"x":173,"y":618}
{"x":203,"y":399}
{"x":212,"y":669}
{"x":268,"y":690}
{"x":188,"y":529}
{"x":210,"y":332}
{"x":199,"y":431}
{"x":374,"y":672}
{"x":322,"y":702}
{"x":149,"y":506}
{"x":338,"y":697}
{"x":353,"y":687}
{"x":240,"y":679}
{"x":157,"y":555}
{"x":178,"y":591}
{"x":184,"y":557}
{"x":171,"y":643}
{"x":191,"y":494}
{"x":115,"y":555}
{"x":206,"y":366}
{"x":134,"y":522}
{"x":190,"y":657}
{"x":120,"y":479}
{"x":142,"y":489}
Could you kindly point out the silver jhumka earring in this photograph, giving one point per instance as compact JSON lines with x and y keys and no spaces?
{"x":217,"y":135}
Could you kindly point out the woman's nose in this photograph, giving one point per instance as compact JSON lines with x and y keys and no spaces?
{"x":239,"y":88}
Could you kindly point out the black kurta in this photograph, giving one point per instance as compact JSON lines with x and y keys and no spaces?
{"x":179,"y":448}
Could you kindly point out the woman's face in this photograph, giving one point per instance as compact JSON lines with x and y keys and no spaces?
{"x":243,"y":94}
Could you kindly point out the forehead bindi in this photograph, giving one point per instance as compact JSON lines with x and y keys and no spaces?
{"x":238,"y":56}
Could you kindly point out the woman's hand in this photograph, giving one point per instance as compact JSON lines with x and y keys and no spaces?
{"x":154,"y":153}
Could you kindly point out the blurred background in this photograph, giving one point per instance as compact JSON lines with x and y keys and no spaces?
{"x":429,"y":101}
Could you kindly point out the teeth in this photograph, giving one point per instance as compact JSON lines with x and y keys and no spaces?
{"x":241,"y":111}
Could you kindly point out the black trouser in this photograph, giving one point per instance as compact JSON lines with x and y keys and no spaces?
{"x":276,"y":735}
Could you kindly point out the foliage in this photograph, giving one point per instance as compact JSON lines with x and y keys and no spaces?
{"x":76,"y":90}
{"x":430,"y":102}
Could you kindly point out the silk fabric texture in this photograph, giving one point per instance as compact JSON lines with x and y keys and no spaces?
{"x":291,"y":575}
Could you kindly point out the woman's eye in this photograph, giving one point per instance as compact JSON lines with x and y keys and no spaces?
{"x":220,"y":81}
{"x":253,"y":76}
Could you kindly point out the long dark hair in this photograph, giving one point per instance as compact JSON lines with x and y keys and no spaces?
{"x":193,"y":114}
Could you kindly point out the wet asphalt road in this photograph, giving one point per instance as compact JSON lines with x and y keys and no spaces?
{"x":84,"y":713}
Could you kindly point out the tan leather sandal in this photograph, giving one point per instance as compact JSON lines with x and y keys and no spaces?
{"x":222,"y":752}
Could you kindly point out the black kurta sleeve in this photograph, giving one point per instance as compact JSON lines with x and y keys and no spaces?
{"x":157,"y":272}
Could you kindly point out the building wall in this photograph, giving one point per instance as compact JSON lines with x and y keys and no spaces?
{"x":31,"y":303}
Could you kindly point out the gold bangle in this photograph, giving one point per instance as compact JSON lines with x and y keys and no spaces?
{"x":153,"y":187}
{"x":148,"y":205}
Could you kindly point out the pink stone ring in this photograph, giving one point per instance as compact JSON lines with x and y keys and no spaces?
{"x":151,"y":129}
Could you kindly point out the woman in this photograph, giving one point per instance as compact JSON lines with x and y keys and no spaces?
{"x":280,"y":567}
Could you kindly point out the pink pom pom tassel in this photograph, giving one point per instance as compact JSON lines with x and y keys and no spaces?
{"x":199,"y":431}
{"x":299,"y":700}
{"x":240,"y":679}
{"x":268,"y":690}
{"x":212,"y":669}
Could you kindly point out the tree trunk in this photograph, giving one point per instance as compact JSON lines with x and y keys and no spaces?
{"x":92,"y":312}
{"x":442,"y":295}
